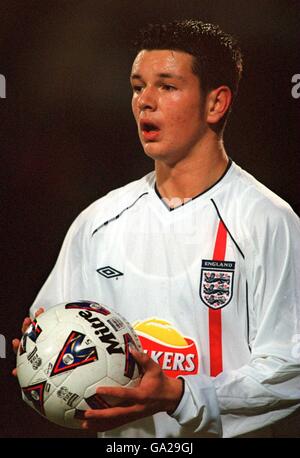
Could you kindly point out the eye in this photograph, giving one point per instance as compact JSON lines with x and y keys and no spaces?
{"x":137,"y":89}
{"x":168,"y":87}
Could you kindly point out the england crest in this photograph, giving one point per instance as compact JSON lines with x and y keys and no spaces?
{"x":216,"y":283}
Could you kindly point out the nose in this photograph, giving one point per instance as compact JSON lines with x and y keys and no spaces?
{"x":147,"y":100}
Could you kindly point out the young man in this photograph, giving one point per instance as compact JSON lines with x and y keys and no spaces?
{"x":202,"y":258}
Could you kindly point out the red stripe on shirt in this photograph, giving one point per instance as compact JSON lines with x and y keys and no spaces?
{"x":215,"y":316}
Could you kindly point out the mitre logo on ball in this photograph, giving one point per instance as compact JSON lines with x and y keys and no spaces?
{"x":176,"y":354}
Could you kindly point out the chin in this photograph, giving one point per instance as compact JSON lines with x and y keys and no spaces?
{"x":157,"y":153}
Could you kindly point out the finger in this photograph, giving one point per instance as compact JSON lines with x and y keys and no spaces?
{"x":15,"y":345}
{"x":113,"y":413}
{"x":39,"y":312}
{"x":130,"y":395}
{"x":92,"y":426}
{"x":112,"y":419}
{"x":142,"y":359}
{"x":26,"y":323}
{"x":99,"y":426}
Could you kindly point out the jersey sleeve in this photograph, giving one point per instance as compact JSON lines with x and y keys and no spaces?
{"x":267,"y":389}
{"x":66,"y":280}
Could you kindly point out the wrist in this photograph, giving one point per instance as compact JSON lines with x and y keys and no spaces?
{"x":177,"y":389}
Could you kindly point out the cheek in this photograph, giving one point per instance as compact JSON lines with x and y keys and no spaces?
{"x":185,"y":121}
{"x":184,"y":112}
{"x":134,"y":107}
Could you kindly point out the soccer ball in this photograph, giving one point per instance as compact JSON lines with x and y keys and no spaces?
{"x":69,"y":351}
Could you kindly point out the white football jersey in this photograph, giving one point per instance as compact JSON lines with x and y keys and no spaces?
{"x":212,"y":289}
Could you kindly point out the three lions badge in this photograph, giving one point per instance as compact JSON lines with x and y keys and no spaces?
{"x":216,"y":283}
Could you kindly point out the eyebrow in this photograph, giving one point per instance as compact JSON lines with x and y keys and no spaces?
{"x":159,"y":75}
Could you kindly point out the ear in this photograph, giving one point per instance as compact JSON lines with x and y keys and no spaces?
{"x":217,"y":104}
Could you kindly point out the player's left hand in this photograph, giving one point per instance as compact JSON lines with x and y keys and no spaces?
{"x":156,"y":393}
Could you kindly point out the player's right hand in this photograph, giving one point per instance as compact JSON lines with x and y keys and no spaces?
{"x":25,"y":324}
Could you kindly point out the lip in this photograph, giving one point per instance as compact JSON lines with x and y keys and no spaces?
{"x":149,"y":135}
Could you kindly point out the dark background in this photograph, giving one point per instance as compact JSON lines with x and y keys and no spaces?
{"x":67,"y":135}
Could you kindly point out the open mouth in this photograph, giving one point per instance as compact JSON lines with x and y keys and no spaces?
{"x":149,"y":127}
{"x":150,"y":131}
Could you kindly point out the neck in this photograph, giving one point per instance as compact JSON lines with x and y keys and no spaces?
{"x":192,"y":175}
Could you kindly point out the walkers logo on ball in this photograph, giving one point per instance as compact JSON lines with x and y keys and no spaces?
{"x":176,"y":354}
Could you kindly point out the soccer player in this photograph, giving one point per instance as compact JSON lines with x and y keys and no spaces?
{"x":198,"y":255}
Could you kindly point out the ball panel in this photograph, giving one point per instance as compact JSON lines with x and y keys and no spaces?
{"x":62,"y":400}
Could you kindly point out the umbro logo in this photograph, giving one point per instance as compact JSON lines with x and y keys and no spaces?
{"x":109,"y":272}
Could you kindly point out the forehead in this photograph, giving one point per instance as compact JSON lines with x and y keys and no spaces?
{"x":162,"y":61}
